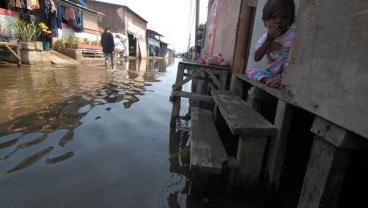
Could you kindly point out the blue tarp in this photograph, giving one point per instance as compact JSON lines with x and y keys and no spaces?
{"x":83,"y":3}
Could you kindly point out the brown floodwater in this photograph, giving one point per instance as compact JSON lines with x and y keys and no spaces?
{"x":74,"y":137}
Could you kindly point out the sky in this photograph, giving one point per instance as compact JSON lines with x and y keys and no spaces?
{"x":174,"y":19}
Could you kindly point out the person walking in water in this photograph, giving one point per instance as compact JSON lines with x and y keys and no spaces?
{"x":108,"y":47}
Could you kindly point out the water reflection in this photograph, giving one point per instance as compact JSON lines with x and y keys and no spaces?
{"x":43,"y":106}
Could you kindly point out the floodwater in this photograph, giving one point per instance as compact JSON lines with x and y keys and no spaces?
{"x":75,"y":137}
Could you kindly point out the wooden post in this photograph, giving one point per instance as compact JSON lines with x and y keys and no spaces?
{"x":325,"y":174}
{"x":198,"y":183}
{"x":328,"y":163}
{"x":176,"y":99}
{"x":19,"y":56}
{"x":242,"y":44}
{"x":250,"y":156}
{"x":278,"y":145}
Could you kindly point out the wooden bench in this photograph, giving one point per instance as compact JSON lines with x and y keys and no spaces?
{"x":207,"y":153}
{"x":253,"y":130}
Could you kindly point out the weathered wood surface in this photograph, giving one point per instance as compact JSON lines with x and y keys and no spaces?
{"x":214,"y":76}
{"x":207,"y":153}
{"x":195,"y":66}
{"x":176,"y":99}
{"x":278,"y":145}
{"x":337,"y":135}
{"x":14,"y":49}
{"x":328,"y":73}
{"x":240,"y":117}
{"x":278,"y":93}
{"x":192,"y":96}
{"x":324,"y":176}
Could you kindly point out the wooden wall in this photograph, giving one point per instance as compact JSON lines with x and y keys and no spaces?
{"x":221,"y":28}
{"x":328,"y":73}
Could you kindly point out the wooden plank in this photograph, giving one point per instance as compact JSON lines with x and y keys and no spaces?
{"x":193,"y":96}
{"x":214,"y":79}
{"x":14,"y":53}
{"x":195,"y":66}
{"x":207,"y":153}
{"x":276,"y":92}
{"x":337,"y":135}
{"x":186,"y":80}
{"x":240,"y":117}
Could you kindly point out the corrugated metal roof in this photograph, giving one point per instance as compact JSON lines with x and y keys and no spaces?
{"x":120,"y":5}
{"x":77,"y":5}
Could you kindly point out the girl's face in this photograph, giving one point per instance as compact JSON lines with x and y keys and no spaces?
{"x":280,"y":20}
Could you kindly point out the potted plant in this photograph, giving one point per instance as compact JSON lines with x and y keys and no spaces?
{"x":59,"y":43}
{"x":45,"y":34}
{"x":26,"y":32}
{"x":70,"y":42}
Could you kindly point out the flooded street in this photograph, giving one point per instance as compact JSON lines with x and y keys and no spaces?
{"x":84,"y":137}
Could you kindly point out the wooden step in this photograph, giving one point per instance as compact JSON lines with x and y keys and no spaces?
{"x":207,"y":153}
{"x":253,"y":131}
{"x":206,"y":149}
{"x":240,"y":116}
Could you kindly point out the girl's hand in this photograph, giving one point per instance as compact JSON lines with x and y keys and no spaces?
{"x":273,"y":32}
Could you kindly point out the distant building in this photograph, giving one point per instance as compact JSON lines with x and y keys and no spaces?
{"x":155,"y":46}
{"x":121,"y":19}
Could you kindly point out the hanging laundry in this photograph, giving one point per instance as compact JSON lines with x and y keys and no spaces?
{"x":59,"y":16}
{"x":69,"y":14}
{"x":52,"y":7}
{"x":17,"y":3}
{"x":33,"y":4}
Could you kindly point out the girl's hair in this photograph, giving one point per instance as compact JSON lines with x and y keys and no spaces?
{"x":272,"y":5}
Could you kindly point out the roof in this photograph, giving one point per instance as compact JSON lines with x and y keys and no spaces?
{"x":154,"y":32}
{"x":120,"y":5}
{"x":77,"y":5}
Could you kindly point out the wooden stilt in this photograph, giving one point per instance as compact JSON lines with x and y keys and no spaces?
{"x":176,"y":99}
{"x":325,"y":174}
{"x":278,"y":144}
{"x":250,"y":156}
{"x":328,"y":163}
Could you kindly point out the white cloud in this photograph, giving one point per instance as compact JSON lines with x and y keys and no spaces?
{"x":174,"y":19}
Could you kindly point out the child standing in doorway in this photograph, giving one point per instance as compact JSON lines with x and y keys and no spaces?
{"x":278,"y":16}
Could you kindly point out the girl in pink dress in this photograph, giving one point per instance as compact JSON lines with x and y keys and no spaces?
{"x":278,"y":17}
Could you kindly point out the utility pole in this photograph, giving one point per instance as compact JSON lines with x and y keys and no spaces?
{"x":196,"y":26}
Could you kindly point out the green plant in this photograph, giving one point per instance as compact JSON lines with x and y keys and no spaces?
{"x":59,"y":43}
{"x":86,"y":41}
{"x":71,"y":42}
{"x":25,"y":32}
